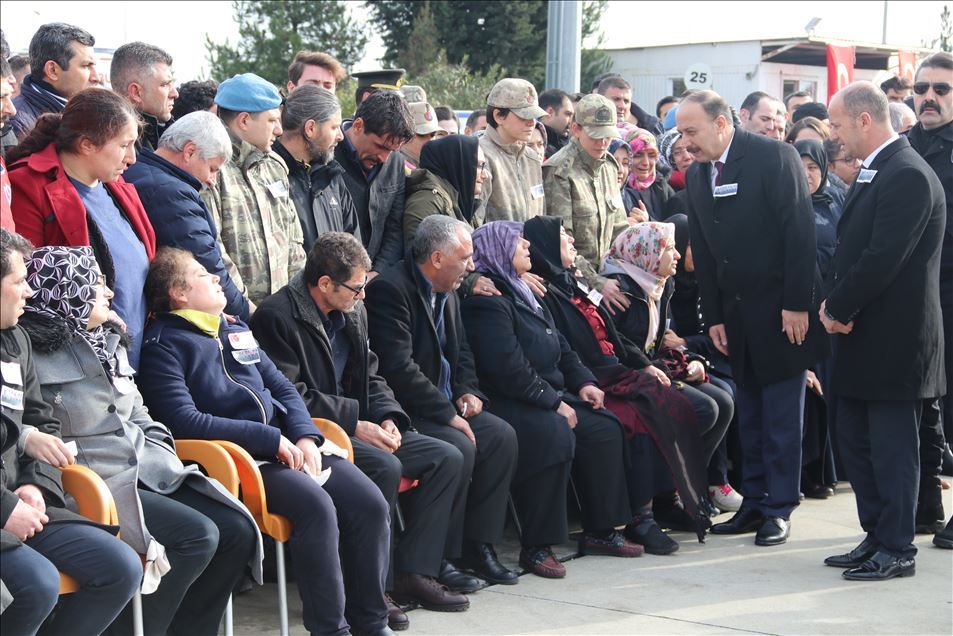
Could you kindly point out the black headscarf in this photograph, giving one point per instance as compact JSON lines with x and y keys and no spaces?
{"x":814,"y":150}
{"x":454,"y":159}
{"x":542,"y":232}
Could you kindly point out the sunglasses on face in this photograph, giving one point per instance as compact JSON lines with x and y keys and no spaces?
{"x":940,"y":88}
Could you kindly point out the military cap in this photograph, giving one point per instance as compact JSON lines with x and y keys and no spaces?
{"x":413,"y":93}
{"x":516,"y":95}
{"x":597,"y":115}
{"x":381,"y":78}
{"x":247,"y":93}
{"x":425,"y":118}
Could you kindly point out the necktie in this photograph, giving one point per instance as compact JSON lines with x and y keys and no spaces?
{"x":719,"y":168}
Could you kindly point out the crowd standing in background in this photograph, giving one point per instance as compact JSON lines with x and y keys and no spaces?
{"x":672,"y":316}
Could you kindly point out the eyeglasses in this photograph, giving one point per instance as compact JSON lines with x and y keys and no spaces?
{"x":357,"y":290}
{"x":940,"y":88}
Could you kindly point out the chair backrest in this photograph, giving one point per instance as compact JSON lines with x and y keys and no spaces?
{"x":213,"y":458}
{"x":336,"y":434}
{"x":91,"y":493}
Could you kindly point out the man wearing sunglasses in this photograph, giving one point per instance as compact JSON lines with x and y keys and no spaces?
{"x":932,"y":138}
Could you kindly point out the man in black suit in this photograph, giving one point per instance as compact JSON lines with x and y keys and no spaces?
{"x":417,"y":333}
{"x":885,"y":308}
{"x":752,"y":229}
{"x":315,"y":330}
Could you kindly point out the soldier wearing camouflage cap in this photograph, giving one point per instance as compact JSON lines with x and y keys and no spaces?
{"x":582,"y":188}
{"x":426,"y":128}
{"x":413,"y":93}
{"x":513,"y":190}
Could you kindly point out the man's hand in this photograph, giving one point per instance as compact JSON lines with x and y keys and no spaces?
{"x":671,"y":340}
{"x":469,"y":405}
{"x":390,"y":427}
{"x":30,"y":494}
{"x":536,"y":284}
{"x":834,"y":326}
{"x":376,"y":436}
{"x":48,"y":448}
{"x":639,"y":214}
{"x":464,"y":427}
{"x":311,"y":455}
{"x":485,"y":287}
{"x":658,"y":374}
{"x":614,"y":299}
{"x":593,"y":395}
{"x":794,"y":324}
{"x":719,"y":336}
{"x":25,"y":521}
{"x":569,"y":413}
{"x":695,"y":371}
{"x":289,"y":454}
{"x":813,"y":383}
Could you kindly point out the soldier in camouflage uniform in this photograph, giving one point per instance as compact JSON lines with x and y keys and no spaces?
{"x":582,"y":188}
{"x":263,"y":246}
{"x":514,"y":189}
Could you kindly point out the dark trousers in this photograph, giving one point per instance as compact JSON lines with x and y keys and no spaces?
{"x":426,"y":508}
{"x":718,"y":464}
{"x":479,"y":508}
{"x":770,"y":424}
{"x":540,"y":501}
{"x":714,"y":409}
{"x":932,"y":442}
{"x":107,"y":570}
{"x":208,"y":545}
{"x":879,"y":448}
{"x":599,"y":471}
{"x":349,"y":514}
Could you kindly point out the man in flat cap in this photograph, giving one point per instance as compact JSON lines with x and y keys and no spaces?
{"x":582,"y":188}
{"x":261,"y":237}
{"x":369,"y":82}
{"x":426,"y":128}
{"x":514,"y":189}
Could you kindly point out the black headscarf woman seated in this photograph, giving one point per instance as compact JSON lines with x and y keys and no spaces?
{"x":658,"y":419}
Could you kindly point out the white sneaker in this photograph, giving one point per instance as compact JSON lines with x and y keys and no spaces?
{"x":725,"y":497}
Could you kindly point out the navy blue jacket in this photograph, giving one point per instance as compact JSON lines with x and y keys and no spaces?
{"x":171,"y":198}
{"x":196,"y":385}
{"x":35,"y":100}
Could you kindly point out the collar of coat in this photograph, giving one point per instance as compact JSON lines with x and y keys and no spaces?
{"x":923,"y":140}
{"x":516,"y":148}
{"x":243,"y":153}
{"x":48,"y":334}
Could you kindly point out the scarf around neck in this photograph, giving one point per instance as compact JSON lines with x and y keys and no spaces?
{"x":814,"y":150}
{"x":639,"y":140}
{"x":542,"y":232}
{"x":494,"y":245}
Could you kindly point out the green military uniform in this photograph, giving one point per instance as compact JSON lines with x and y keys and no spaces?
{"x":584,"y":192}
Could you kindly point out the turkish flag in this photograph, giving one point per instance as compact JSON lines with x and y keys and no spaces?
{"x":840,"y":68}
{"x":908,"y":64}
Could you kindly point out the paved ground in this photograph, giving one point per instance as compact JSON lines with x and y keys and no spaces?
{"x":725,"y":586}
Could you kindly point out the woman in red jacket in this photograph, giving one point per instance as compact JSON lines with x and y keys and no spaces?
{"x":68,"y":190}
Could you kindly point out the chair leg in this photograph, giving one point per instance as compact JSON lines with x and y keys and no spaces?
{"x":137,"y":628}
{"x":229,"y":623}
{"x":400,"y":517}
{"x":282,"y":588}
{"x":516,"y":520}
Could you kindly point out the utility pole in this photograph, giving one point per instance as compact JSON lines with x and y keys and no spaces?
{"x":884,"y":38}
{"x":563,"y":45}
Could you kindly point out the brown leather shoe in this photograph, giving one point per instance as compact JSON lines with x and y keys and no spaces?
{"x":396,"y":617}
{"x":416,"y":588}
{"x":542,"y":562}
{"x":613,"y":545}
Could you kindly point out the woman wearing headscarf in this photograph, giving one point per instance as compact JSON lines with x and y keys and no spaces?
{"x":536,"y":382}
{"x":658,"y":420}
{"x":645,"y":183}
{"x":827,"y":206}
{"x":190,"y":531}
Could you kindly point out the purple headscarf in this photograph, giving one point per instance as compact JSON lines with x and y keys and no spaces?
{"x":494,"y":245}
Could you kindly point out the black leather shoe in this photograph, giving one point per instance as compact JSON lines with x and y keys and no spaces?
{"x":396,"y":617}
{"x":743,"y":521}
{"x":880,"y":567}
{"x":428,"y":592}
{"x":817,"y":491}
{"x":774,"y":531}
{"x":457,"y":581}
{"x":944,"y":538}
{"x":854,"y":558}
{"x":650,"y":537}
{"x":481,"y":559}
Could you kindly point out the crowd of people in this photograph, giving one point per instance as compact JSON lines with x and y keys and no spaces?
{"x":569,"y":301}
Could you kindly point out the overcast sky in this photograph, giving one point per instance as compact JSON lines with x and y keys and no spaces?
{"x":180,"y":27}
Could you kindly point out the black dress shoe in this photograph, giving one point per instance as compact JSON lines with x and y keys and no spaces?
{"x":743,"y":521}
{"x":482,"y":560}
{"x":854,"y":558}
{"x":774,"y":531}
{"x":396,"y":617}
{"x":944,"y":538}
{"x":457,"y":581}
{"x":880,"y":567}
{"x":817,"y":491}
{"x":650,"y":536}
{"x":428,"y":592}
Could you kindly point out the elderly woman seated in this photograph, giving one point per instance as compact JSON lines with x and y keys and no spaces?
{"x":536,"y":382}
{"x":209,"y":380}
{"x":191,"y":532}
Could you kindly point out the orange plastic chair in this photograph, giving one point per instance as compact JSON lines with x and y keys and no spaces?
{"x":336,"y":434}
{"x":94,"y":501}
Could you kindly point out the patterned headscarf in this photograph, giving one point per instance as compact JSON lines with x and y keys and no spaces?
{"x":639,"y":140}
{"x":494,"y":245}
{"x":665,"y":144}
{"x":637,"y":251}
{"x":64,"y":281}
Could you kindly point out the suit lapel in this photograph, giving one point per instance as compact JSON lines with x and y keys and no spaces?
{"x":732,"y":169}
{"x":858,"y":189}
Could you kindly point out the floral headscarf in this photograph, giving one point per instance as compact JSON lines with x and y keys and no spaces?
{"x":639,"y":140}
{"x":64,"y":280}
{"x":494,"y":245}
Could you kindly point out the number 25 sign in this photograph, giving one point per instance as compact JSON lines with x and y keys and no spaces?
{"x":698,"y":76}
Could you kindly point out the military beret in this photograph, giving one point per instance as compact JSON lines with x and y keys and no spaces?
{"x":247,"y":93}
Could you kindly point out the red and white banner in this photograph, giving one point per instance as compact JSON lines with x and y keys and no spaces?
{"x":840,"y":68}
{"x":907,"y":63}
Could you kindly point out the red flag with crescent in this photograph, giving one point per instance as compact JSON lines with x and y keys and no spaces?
{"x":840,"y":68}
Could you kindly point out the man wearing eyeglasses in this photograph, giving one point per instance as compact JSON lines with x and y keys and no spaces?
{"x":315,"y":331}
{"x":932,"y":138}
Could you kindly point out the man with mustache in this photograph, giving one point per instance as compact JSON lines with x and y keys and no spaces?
{"x":932,"y":138}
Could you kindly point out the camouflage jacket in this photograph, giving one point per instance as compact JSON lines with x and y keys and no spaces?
{"x":584,"y":192}
{"x":513,"y":191}
{"x":259,"y":230}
